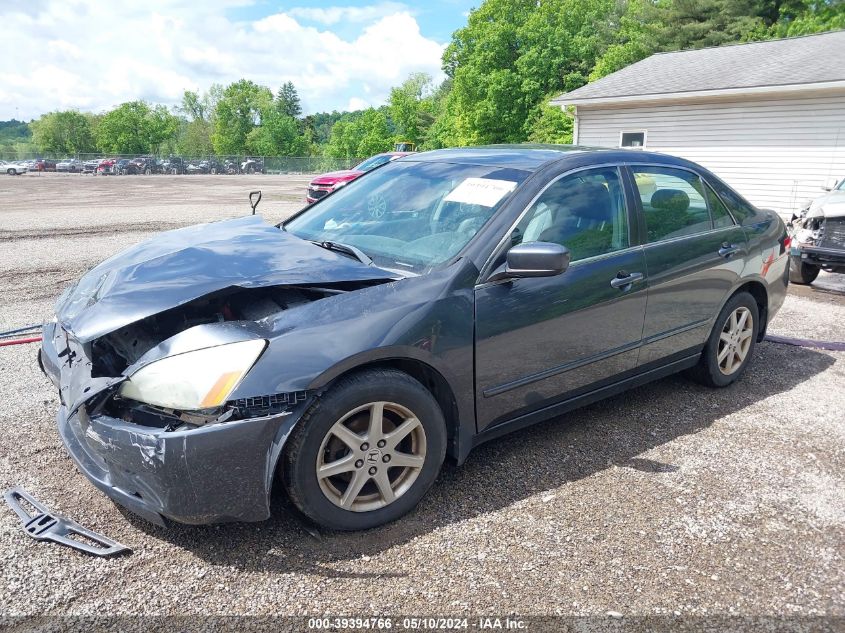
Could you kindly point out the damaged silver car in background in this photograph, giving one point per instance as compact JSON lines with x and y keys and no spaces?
{"x":818,"y":236}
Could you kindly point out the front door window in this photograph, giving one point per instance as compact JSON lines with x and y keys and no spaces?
{"x":584,"y":211}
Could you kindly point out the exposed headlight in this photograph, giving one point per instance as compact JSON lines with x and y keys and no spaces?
{"x":202,"y":379}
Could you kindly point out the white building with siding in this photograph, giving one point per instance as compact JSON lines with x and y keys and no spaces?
{"x":767,"y":117}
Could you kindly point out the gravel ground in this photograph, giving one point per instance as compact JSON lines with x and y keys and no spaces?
{"x":669,"y":499}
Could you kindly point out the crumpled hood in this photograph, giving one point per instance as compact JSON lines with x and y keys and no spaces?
{"x":830,"y":205}
{"x":179,"y":266}
{"x":336,"y":176}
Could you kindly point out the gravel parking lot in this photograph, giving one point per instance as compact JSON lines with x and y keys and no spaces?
{"x":670,"y":499}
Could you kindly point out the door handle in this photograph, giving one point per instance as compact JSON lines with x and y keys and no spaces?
{"x":623,"y":279}
{"x":728,"y":249}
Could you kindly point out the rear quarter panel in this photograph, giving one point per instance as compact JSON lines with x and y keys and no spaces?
{"x":767,"y":260}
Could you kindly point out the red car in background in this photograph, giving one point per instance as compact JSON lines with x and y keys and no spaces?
{"x":44,"y":164}
{"x":324,"y":184}
{"x":107,"y":167}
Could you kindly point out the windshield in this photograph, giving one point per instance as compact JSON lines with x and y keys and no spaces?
{"x":841,"y":186}
{"x":372,"y":162}
{"x":410,"y":215}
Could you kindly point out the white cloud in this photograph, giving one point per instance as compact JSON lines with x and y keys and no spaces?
{"x":92,"y":56}
{"x":335,"y":15}
{"x":357,"y":103}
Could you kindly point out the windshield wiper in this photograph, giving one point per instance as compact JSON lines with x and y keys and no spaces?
{"x":356,"y":252}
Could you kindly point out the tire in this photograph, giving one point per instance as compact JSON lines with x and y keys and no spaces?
{"x":352,"y":402}
{"x":214,"y":171}
{"x":250,"y":170}
{"x":11,"y":172}
{"x":801,"y":273}
{"x":148,"y":171}
{"x":713,"y":371}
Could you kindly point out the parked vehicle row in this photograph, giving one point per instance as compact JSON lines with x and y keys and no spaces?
{"x":145,"y":165}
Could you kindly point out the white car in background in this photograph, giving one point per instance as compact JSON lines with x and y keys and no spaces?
{"x":818,"y":235}
{"x":13,"y":169}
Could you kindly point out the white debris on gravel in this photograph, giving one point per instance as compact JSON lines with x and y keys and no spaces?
{"x":669,"y":499}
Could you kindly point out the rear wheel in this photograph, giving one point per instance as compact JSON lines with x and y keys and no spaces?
{"x":731,"y":344}
{"x":801,"y":273}
{"x":366,"y":452}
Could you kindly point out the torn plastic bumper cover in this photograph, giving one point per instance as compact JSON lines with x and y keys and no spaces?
{"x":208,"y":474}
{"x":45,"y":525}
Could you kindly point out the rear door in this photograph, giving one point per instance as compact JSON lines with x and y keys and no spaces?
{"x":694,"y":254}
{"x":543,"y":339}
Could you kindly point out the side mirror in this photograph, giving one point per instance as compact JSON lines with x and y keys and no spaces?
{"x":534,"y":259}
{"x":829,"y":184}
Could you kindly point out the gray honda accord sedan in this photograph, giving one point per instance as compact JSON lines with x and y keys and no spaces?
{"x":435,"y":303}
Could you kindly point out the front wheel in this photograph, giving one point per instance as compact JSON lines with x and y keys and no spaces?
{"x":366,"y":451}
{"x":11,"y":172}
{"x":731,"y":344}
{"x":801,"y":273}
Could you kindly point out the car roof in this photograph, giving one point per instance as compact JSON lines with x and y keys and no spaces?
{"x":531,"y":157}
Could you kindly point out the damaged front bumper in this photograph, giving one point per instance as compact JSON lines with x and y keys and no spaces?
{"x":209,"y":474}
{"x":833,"y":258}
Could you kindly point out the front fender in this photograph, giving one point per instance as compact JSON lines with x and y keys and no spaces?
{"x":428,"y":319}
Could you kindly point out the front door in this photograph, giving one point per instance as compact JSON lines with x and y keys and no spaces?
{"x":539,"y":340}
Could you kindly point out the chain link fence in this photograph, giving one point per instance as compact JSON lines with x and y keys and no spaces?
{"x":180,"y":164}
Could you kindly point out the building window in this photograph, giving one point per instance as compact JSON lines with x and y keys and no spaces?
{"x":635,"y":140}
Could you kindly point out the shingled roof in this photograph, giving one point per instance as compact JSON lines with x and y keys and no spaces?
{"x":775,"y":65}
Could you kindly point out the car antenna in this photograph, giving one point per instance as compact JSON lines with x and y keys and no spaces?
{"x":254,"y":203}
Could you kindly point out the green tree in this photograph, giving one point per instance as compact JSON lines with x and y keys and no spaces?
{"x":697,"y":23}
{"x":161,"y":127}
{"x":360,"y":135}
{"x":513,"y":53}
{"x":15,"y":139}
{"x":194,"y":106}
{"x":194,"y":137}
{"x":135,"y":128}
{"x":237,"y":113}
{"x":632,"y":36}
{"x":412,"y":107}
{"x":67,"y":132}
{"x":287,"y":100}
{"x":803,"y":17}
{"x":278,"y":135}
{"x":550,"y":124}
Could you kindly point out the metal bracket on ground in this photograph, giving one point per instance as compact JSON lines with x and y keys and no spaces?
{"x":45,"y":525}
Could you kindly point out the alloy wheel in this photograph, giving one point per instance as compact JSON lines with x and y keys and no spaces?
{"x":735,"y":340}
{"x":371,"y":456}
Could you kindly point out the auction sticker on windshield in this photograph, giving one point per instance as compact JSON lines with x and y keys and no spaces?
{"x":484,"y":191}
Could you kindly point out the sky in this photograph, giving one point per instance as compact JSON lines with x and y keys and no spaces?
{"x":93,"y":55}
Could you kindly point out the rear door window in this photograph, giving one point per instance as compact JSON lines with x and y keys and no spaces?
{"x":718,"y":211}
{"x":739,"y":207}
{"x":673,"y":202}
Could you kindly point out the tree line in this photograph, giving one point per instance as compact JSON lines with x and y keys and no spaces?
{"x":501,"y":69}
